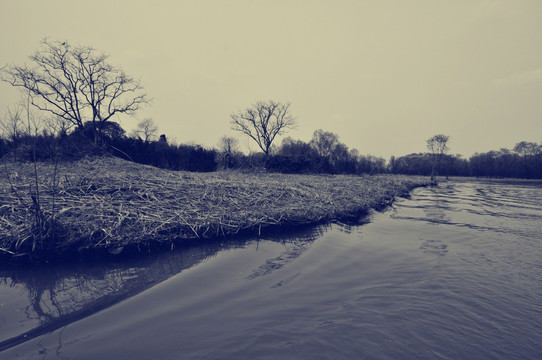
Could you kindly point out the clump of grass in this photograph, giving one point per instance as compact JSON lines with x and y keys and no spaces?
{"x":109,"y":203}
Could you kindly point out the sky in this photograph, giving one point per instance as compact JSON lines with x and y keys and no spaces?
{"x":383,"y":75}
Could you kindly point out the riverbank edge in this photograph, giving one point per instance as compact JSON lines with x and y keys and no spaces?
{"x":53,"y":212}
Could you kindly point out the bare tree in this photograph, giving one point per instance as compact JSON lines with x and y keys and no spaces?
{"x":19,"y":121}
{"x":11,"y":123}
{"x":57,"y":126}
{"x":438,"y":145}
{"x":263,"y":121}
{"x":146,"y":130}
{"x":228,"y":147}
{"x":77,"y":84}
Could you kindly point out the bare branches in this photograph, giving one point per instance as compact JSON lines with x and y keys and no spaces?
{"x":263,"y":122}
{"x":146,"y":130}
{"x":77,"y":85}
{"x":438,"y":144}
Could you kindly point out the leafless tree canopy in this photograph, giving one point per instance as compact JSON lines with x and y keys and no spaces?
{"x":11,"y":123}
{"x":438,"y":144}
{"x":228,"y":145}
{"x":263,"y":121}
{"x":76,"y":84}
{"x":146,"y":130}
{"x":19,"y":120}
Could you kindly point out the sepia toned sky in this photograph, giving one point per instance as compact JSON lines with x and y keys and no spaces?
{"x":383,"y":75}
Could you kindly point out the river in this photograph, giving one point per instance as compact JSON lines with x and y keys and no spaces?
{"x":453,"y":272}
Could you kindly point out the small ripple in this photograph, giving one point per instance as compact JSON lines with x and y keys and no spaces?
{"x":280,"y":261}
{"x":435,"y":247}
{"x":285,"y":281}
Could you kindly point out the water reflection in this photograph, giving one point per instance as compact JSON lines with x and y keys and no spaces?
{"x":59,"y":295}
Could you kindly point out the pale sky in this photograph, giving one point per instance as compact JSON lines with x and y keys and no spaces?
{"x":383,"y":75}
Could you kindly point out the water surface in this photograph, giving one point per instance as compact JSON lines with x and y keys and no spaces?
{"x":455,"y":272}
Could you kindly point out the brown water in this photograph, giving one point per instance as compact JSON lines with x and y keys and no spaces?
{"x":455,"y":272}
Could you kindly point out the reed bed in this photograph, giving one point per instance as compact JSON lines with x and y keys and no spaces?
{"x":109,"y":203}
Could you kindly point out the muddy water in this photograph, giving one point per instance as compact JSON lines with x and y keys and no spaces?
{"x":454,"y":272}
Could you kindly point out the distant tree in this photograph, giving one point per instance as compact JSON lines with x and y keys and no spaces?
{"x":335,"y":156}
{"x":146,"y":130}
{"x":324,"y":142}
{"x":12,"y":123}
{"x":438,"y":145}
{"x":296,"y":148}
{"x":502,"y":163}
{"x":263,"y":122}
{"x":77,"y":84}
{"x":525,"y":149}
{"x":228,"y":148}
{"x":413,"y":164}
{"x":340,"y":159}
{"x":295,"y":156}
{"x":228,"y":145}
{"x":367,"y":164}
{"x":531,"y":155}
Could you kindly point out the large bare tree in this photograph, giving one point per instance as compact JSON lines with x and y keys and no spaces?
{"x":263,"y":121}
{"x":77,"y":84}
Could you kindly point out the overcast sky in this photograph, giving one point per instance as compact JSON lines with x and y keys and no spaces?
{"x":383,"y":75}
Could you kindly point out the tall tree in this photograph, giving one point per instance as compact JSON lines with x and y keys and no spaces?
{"x":438,"y":145}
{"x":77,"y":84}
{"x":263,"y":122}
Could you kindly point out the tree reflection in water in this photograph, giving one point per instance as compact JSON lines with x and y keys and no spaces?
{"x":61,"y":294}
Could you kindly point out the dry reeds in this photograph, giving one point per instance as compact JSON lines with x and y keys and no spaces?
{"x":111,"y":203}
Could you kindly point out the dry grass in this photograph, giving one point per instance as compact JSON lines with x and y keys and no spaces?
{"x":111,"y":203}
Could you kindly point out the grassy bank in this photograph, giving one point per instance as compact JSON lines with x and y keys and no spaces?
{"x":108,"y":203}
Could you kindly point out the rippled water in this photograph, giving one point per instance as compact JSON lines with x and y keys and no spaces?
{"x":455,"y":272}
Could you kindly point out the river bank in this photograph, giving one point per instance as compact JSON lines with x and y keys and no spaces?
{"x":115,"y":205}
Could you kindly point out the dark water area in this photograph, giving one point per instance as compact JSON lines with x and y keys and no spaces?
{"x":454,"y":272}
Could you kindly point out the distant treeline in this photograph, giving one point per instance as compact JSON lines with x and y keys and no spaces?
{"x":323,"y":154}
{"x":523,"y":161}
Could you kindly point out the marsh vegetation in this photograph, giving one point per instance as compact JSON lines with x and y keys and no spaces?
{"x":113,"y":204}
